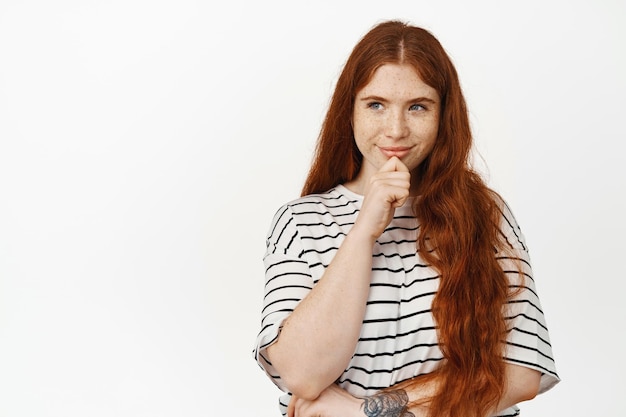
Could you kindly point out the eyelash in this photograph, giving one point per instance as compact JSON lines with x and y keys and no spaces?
{"x":374,"y":105}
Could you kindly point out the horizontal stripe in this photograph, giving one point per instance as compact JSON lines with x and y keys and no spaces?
{"x":398,"y":337}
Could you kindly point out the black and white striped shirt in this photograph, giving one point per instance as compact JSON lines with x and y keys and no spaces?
{"x":398,"y":338}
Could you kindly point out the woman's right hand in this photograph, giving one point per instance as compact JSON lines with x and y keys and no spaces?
{"x":314,"y":346}
{"x":387,"y":190}
{"x":332,"y":402}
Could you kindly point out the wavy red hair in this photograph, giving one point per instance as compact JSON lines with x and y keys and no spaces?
{"x":458,"y":215}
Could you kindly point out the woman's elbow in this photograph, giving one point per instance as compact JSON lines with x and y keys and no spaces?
{"x":303,"y":388}
{"x":299,"y":380}
{"x":304,"y":383}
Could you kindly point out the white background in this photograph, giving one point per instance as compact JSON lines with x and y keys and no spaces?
{"x":145,"y":145}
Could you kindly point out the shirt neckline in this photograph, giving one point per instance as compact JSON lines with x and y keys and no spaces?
{"x":346,"y":191}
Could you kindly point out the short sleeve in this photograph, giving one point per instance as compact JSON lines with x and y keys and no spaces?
{"x":287,"y":282}
{"x":528,"y":341}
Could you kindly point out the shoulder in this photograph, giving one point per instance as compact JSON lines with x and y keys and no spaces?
{"x":313,"y":213}
{"x":509,"y":227}
{"x":337,"y":205}
{"x":336,"y":201}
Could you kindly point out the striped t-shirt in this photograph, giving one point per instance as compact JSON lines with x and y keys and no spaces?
{"x":398,"y":338}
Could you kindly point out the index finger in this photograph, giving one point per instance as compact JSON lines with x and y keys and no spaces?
{"x":291,"y":408}
{"x":393,"y":164}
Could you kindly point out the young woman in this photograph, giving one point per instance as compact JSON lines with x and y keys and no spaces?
{"x":399,"y":284}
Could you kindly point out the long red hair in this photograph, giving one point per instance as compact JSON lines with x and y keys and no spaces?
{"x":458,"y":215}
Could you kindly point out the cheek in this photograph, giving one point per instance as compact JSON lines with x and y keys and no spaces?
{"x":359,"y":122}
{"x":434,"y":133}
{"x":363,"y":129}
{"x":430,"y":130}
{"x":425,"y":133}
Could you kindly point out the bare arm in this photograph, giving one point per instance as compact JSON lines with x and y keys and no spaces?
{"x":522,"y":384}
{"x":319,"y":337}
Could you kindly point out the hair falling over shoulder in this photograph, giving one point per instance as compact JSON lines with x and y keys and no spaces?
{"x":458,"y":214}
{"x":459,"y":229}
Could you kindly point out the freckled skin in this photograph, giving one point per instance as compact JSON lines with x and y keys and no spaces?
{"x":396,"y":113}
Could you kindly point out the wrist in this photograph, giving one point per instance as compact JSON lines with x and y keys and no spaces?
{"x":362,"y":236}
{"x":392,"y":403}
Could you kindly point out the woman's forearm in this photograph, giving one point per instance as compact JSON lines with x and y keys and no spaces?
{"x":521,"y":384}
{"x":319,"y":337}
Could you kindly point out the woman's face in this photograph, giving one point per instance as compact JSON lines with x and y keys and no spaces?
{"x":395,"y":114}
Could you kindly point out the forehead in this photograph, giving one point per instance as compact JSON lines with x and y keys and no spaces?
{"x":397,"y":81}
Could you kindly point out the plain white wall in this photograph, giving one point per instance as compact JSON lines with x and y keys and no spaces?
{"x":145,"y":145}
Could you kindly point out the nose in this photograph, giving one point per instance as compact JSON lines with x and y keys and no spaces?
{"x":396,"y":125}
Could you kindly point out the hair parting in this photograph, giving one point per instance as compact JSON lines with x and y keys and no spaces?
{"x":459,"y":217}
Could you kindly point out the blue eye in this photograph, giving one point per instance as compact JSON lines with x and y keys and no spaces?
{"x":416,"y":107}
{"x":375,"y":105}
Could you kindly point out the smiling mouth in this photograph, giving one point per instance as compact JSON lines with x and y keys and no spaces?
{"x":397,"y":151}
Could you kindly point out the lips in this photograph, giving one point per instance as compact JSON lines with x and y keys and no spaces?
{"x":397,"y":151}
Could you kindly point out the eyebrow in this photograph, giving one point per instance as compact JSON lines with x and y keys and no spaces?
{"x":413,"y":100}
